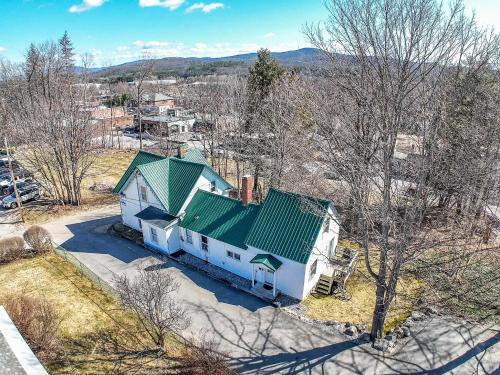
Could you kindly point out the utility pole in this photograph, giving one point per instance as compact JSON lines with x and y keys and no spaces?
{"x":18,"y":198}
{"x":139,"y":98}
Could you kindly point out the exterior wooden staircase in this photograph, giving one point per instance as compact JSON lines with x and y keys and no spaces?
{"x":324,"y":284}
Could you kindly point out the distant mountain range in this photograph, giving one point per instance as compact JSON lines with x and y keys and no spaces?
{"x":304,"y":58}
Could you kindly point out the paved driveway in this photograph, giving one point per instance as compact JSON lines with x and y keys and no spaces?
{"x":9,"y":222}
{"x":261,"y":339}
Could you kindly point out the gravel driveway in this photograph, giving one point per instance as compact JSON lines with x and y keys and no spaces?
{"x":261,"y":339}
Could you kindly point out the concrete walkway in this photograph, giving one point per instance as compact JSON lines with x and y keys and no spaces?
{"x":261,"y":339}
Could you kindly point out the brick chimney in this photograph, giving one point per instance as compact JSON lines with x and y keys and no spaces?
{"x":246,"y":189}
{"x":181,"y":151}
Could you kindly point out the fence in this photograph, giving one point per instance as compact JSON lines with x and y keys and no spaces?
{"x":85,"y":271}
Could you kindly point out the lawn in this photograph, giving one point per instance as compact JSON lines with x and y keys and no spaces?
{"x":107,"y":169}
{"x":96,"y":332}
{"x":359,"y":308}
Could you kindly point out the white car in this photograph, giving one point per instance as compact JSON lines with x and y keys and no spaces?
{"x":19,"y":176}
{"x":26,"y":194}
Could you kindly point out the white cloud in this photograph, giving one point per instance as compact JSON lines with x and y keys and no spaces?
{"x":169,"y":4}
{"x":2,"y":49}
{"x":163,"y":48}
{"x":205,"y":8}
{"x":86,"y":5}
{"x":269,"y":35}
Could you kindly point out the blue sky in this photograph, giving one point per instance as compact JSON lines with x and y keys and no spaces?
{"x":115,"y":31}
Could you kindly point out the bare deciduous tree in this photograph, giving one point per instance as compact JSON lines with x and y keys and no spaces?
{"x":144,"y":70}
{"x":151,"y":296}
{"x":389,"y":81}
{"x":45,"y":113}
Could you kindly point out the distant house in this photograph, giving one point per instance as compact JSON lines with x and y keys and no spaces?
{"x":166,"y":125}
{"x":116,"y":116}
{"x":181,"y":203}
{"x":158,"y":100}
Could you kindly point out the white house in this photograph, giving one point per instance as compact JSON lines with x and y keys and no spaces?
{"x":181,"y":203}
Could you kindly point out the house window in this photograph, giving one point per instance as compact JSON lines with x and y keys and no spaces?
{"x":144,"y":194}
{"x":204,"y":243}
{"x":331,"y":249}
{"x":312,"y":270}
{"x":212,"y":186}
{"x":154,"y":235}
{"x":326,"y":228}
{"x":140,"y":223}
{"x":233,"y":255}
{"x":189,"y":236}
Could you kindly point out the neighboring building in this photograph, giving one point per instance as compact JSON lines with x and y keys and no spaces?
{"x":116,"y":116}
{"x":165,"y":111}
{"x":181,"y":203}
{"x":16,"y":357}
{"x":158,"y":100}
{"x":166,"y":125}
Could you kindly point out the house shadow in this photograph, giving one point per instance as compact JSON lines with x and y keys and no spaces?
{"x":222,"y":291}
{"x":91,"y":239}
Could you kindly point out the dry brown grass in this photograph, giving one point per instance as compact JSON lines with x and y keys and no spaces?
{"x":96,"y":331}
{"x":359,"y":308}
{"x":108,"y":168}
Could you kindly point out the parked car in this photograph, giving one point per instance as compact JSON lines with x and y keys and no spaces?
{"x":20,"y":176}
{"x":28,"y":193}
{"x":21,"y":185}
{"x":5,"y":168}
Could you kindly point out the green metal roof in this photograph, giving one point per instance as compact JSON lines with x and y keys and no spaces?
{"x":288,"y":225}
{"x":171,"y":179}
{"x":267,"y":260}
{"x":155,"y":216}
{"x":196,"y":156}
{"x":142,"y":157}
{"x":222,"y":218}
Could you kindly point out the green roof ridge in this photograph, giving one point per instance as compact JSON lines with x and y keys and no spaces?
{"x":283,"y":228}
{"x":220,"y":217}
{"x":141,"y":158}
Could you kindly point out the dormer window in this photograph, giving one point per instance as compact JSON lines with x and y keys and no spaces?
{"x":212,"y":186}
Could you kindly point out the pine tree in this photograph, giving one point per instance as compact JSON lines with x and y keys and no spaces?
{"x":263,"y":74}
{"x":66,"y":54}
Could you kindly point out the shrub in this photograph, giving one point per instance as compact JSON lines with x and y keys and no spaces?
{"x":37,"y":322}
{"x":11,"y":249}
{"x":201,"y":357}
{"x":38,"y":239}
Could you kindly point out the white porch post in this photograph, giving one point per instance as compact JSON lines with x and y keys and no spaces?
{"x":274,"y":284}
{"x":253,"y":275}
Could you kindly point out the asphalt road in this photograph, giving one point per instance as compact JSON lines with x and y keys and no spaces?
{"x":259,"y":338}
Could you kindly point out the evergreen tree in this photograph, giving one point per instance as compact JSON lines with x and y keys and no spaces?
{"x":263,"y":74}
{"x":66,"y":54}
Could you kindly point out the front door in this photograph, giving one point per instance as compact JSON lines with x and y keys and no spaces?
{"x":269,"y":277}
{"x":260,"y":274}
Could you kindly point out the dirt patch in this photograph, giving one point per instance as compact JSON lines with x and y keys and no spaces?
{"x":361,"y":290}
